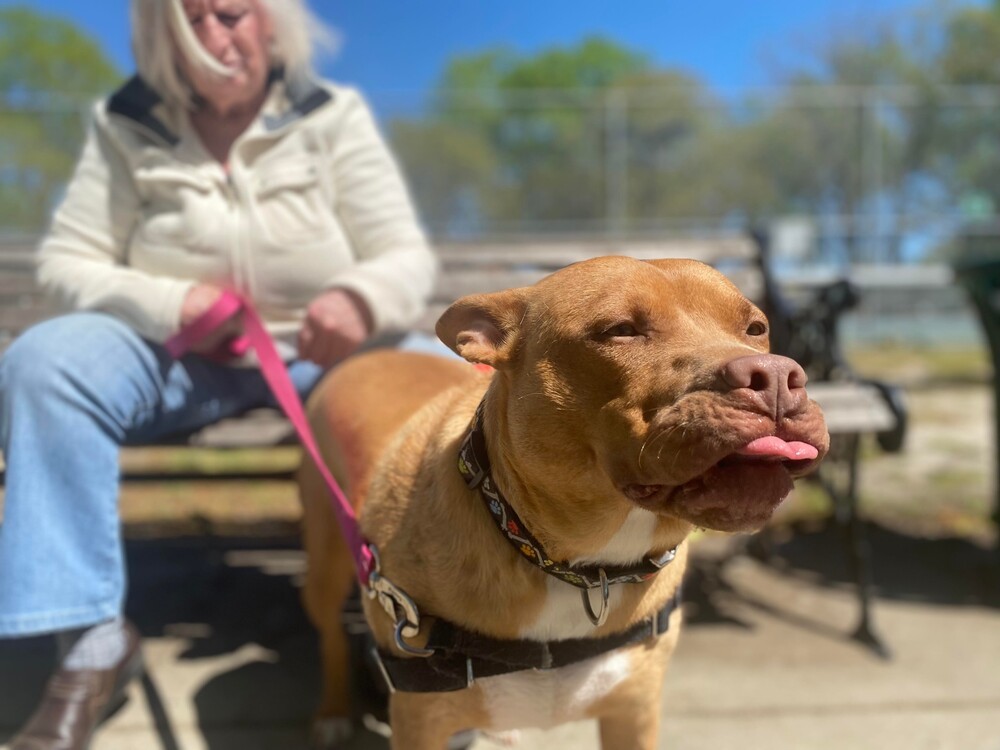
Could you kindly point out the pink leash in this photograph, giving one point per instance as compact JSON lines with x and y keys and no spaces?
{"x":275,"y":373}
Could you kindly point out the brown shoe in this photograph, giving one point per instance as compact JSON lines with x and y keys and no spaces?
{"x":75,"y":702}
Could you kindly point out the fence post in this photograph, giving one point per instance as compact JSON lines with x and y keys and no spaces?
{"x":616,"y":162}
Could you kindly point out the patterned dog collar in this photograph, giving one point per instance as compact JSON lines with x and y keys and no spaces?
{"x":474,"y":465}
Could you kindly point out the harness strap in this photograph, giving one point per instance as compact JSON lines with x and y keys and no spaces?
{"x":275,"y":373}
{"x":461,"y":656}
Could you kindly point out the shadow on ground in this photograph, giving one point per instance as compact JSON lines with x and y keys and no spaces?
{"x":946,"y":571}
{"x":227,"y":593}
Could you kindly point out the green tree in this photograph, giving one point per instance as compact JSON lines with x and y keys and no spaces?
{"x":971,"y":132}
{"x":49,"y":71}
{"x":444,"y":163}
{"x":595,"y":137}
{"x":871,"y":157}
{"x":675,"y":140}
{"x":532,"y":129}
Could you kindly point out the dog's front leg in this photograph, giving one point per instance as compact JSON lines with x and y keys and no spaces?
{"x":629,"y":718}
{"x":633,"y":721}
{"x":426,"y":721}
{"x":328,"y":584}
{"x":635,"y":730}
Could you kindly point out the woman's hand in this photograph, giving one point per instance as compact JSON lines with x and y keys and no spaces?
{"x":197,"y":301}
{"x":337,"y":322}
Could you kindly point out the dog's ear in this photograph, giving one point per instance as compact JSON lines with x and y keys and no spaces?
{"x":482,"y":327}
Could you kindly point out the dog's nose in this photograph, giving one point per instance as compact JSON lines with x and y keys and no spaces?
{"x":778,"y":383}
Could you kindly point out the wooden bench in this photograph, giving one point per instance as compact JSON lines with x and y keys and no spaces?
{"x":807,"y":332}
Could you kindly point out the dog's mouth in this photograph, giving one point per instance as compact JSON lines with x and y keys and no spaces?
{"x":739,"y":492}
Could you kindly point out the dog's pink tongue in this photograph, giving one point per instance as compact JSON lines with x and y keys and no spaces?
{"x":775,"y":447}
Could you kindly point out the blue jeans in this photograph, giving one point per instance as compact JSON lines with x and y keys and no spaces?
{"x":72,"y":391}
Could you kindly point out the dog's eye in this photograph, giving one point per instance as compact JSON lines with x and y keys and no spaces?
{"x":756,"y":329}
{"x":622,"y":330}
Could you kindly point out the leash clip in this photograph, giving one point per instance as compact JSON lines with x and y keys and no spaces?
{"x":397,"y":604}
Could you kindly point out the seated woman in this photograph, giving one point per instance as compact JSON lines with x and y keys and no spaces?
{"x":224,"y":164}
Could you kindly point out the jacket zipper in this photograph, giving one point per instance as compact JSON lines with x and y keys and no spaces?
{"x":242,"y":273}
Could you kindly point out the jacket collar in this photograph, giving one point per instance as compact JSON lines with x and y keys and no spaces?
{"x":138,"y":102}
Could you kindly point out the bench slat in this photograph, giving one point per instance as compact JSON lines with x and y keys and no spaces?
{"x":474,"y":267}
{"x":458,"y":282}
{"x":260,"y":427}
{"x":852,"y":407}
{"x":558,"y":254}
{"x":848,"y":407}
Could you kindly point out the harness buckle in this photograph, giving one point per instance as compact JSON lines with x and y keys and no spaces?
{"x":546,"y":658}
{"x":654,"y":625}
{"x":398,"y":605}
{"x":665,"y":559}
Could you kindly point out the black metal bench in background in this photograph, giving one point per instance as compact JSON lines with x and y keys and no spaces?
{"x":807,"y":331}
{"x":978,"y":270}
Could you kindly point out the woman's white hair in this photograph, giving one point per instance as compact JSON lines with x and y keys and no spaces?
{"x":160,"y":30}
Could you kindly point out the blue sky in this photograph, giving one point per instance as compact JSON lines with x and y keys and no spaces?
{"x":399,"y":46}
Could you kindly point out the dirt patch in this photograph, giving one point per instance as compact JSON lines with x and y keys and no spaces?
{"x":944,"y":475}
{"x":940,"y":484}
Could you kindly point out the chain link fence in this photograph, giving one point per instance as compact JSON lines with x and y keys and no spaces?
{"x":846,"y":178}
{"x":863,"y":174}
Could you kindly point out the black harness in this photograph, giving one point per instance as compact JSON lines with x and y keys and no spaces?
{"x":462,"y":656}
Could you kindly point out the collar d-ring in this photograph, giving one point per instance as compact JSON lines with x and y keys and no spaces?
{"x":601,"y":617}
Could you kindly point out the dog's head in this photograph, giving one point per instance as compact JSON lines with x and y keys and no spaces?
{"x":648,"y":382}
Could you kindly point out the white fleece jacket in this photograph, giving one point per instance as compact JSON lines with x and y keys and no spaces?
{"x":312,"y":200}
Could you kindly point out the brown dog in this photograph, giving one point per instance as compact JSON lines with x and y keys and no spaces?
{"x":632,"y":401}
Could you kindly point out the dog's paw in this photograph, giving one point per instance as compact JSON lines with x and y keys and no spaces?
{"x":331,"y":733}
{"x":509,"y":738}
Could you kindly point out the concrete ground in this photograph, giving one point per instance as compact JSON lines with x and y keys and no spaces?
{"x":765,"y":660}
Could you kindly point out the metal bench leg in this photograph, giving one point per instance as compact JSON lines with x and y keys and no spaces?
{"x":858,"y":547}
{"x":158,"y":711}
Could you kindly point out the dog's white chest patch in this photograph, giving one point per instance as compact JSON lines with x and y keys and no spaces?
{"x":562,"y":616}
{"x":543,"y":699}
